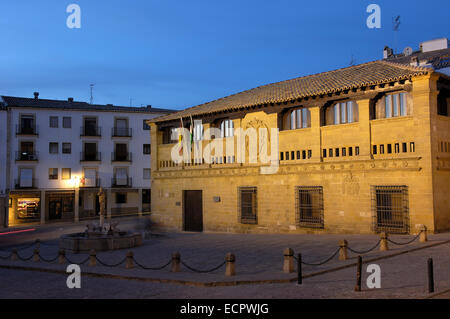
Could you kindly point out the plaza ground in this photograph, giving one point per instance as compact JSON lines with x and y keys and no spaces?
{"x":258,"y":258}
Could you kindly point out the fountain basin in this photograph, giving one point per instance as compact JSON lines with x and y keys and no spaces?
{"x":84,"y":242}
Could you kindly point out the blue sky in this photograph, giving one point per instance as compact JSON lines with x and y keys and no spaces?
{"x":176,"y":54}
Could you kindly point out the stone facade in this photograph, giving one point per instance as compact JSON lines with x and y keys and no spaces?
{"x":417,"y":161}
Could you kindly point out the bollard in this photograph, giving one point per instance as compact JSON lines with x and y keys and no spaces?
{"x":175,"y":262}
{"x":129,"y":262}
{"x":92,"y":258}
{"x":230,"y":269}
{"x":423,"y":234}
{"x":299,"y":269}
{"x":343,"y":249}
{"x":288,"y":265}
{"x":62,"y":256}
{"x":358,"y":274}
{"x":36,"y":255}
{"x":384,"y":242}
{"x":430,"y":276}
{"x":14,"y":256}
{"x":38,"y":243}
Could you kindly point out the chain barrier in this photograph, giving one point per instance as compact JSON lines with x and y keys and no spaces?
{"x":321,"y":263}
{"x":110,"y":265}
{"x":48,"y":260}
{"x":362,"y":252}
{"x":6,"y":257}
{"x":202,"y":271}
{"x":78,"y":263}
{"x":25,"y":258}
{"x":22,"y":248}
{"x":152,"y":268}
{"x":406,"y":243}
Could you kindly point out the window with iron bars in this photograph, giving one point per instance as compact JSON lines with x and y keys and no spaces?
{"x":247,"y":205}
{"x":390,"y":209}
{"x":309,"y":206}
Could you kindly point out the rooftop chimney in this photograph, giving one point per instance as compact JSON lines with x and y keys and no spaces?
{"x":387,"y":52}
{"x":70,"y":99}
{"x":36,"y":95}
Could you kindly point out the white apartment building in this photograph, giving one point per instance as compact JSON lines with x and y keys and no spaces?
{"x":55,"y":156}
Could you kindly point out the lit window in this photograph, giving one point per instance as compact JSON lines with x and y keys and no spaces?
{"x":66,"y":173}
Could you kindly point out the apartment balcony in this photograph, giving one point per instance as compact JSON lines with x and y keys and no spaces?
{"x":27,"y":130}
{"x":90,"y":182}
{"x":94,"y":131}
{"x":121,"y":132}
{"x":121,"y":182}
{"x":25,"y":183}
{"x":121,"y":157}
{"x":27,"y":156}
{"x":90,"y":157}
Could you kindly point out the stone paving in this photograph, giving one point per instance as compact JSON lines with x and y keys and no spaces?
{"x":403,"y":276}
{"x":258,"y":256}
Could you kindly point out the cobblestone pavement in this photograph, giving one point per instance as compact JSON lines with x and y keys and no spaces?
{"x":402,"y":276}
{"x":258,"y":257}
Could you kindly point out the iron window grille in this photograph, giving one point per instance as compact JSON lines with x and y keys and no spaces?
{"x":309,"y":206}
{"x":390,"y":209}
{"x":247,"y":205}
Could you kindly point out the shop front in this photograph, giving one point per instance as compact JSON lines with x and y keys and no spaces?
{"x":24,"y":207}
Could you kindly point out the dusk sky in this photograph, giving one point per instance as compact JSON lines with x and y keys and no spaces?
{"x":176,"y":54}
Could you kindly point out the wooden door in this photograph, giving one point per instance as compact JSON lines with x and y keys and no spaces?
{"x":193,"y":211}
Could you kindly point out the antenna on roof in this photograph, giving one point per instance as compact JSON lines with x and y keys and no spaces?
{"x":395,"y":28}
{"x":92,"y":97}
{"x":352,"y":61}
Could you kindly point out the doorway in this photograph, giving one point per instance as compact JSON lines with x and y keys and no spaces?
{"x":193,"y":211}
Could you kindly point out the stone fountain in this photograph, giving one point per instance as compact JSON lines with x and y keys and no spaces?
{"x":100,"y":237}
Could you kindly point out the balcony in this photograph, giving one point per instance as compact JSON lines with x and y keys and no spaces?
{"x":121,"y":182}
{"x":90,"y":157}
{"x":25,"y":183}
{"x":26,"y":130}
{"x":95,"y":131}
{"x":120,"y":157}
{"x":121,"y":132}
{"x":27,"y":156}
{"x":90,"y":182}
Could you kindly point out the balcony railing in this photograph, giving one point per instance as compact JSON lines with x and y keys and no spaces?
{"x":121,"y":157}
{"x":26,"y":130}
{"x":90,"y":182}
{"x":121,"y":132}
{"x":26,"y":156}
{"x":121,"y":182}
{"x":90,"y":157}
{"x":25,"y":183}
{"x":91,"y":131}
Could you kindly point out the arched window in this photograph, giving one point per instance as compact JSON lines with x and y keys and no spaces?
{"x":297,"y":119}
{"x":342,"y":113}
{"x":227,"y":128}
{"x":393,"y":105}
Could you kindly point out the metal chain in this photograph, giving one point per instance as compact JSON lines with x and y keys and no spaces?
{"x":110,"y":265}
{"x":152,"y":268}
{"x":6,"y":257}
{"x":79,"y":263}
{"x":202,"y":271}
{"x":25,"y":259}
{"x":22,"y":248}
{"x":323,"y":262}
{"x":48,"y":260}
{"x":364,"y":251}
{"x":409,"y":242}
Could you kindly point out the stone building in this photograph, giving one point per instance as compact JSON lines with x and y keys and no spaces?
{"x":361,"y":149}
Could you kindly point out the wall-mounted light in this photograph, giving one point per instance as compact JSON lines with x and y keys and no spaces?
{"x":75,"y":181}
{"x":10,"y":202}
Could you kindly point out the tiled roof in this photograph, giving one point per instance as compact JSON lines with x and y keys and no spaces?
{"x":438,"y":59}
{"x":12,"y":101}
{"x":367,"y":74}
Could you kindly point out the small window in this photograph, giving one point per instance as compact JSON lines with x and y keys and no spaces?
{"x":309,"y":153}
{"x":146,"y":149}
{"x":287,"y":156}
{"x":147,"y":173}
{"x":324,"y":153}
{"x":53,"y":148}
{"x":356,"y":150}
{"x":404,"y":148}
{"x":309,"y":207}
{"x":145,"y":126}
{"x":382,"y":149}
{"x":303,"y":154}
{"x":281,"y":156}
{"x":66,"y":173}
{"x":389,"y":148}
{"x":412,"y":147}
{"x":247,"y":205}
{"x":292,"y":155}
{"x":67,"y":122}
{"x":298,"y":155}
{"x":344,"y":151}
{"x":397,"y":148}
{"x":390,"y":207}
{"x":67,"y":148}
{"x":350,"y":151}
{"x":330,"y":152}
{"x":337,"y":152}
{"x":52,"y":173}
{"x":121,"y":198}
{"x":53,"y":121}
{"x":374,"y":150}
